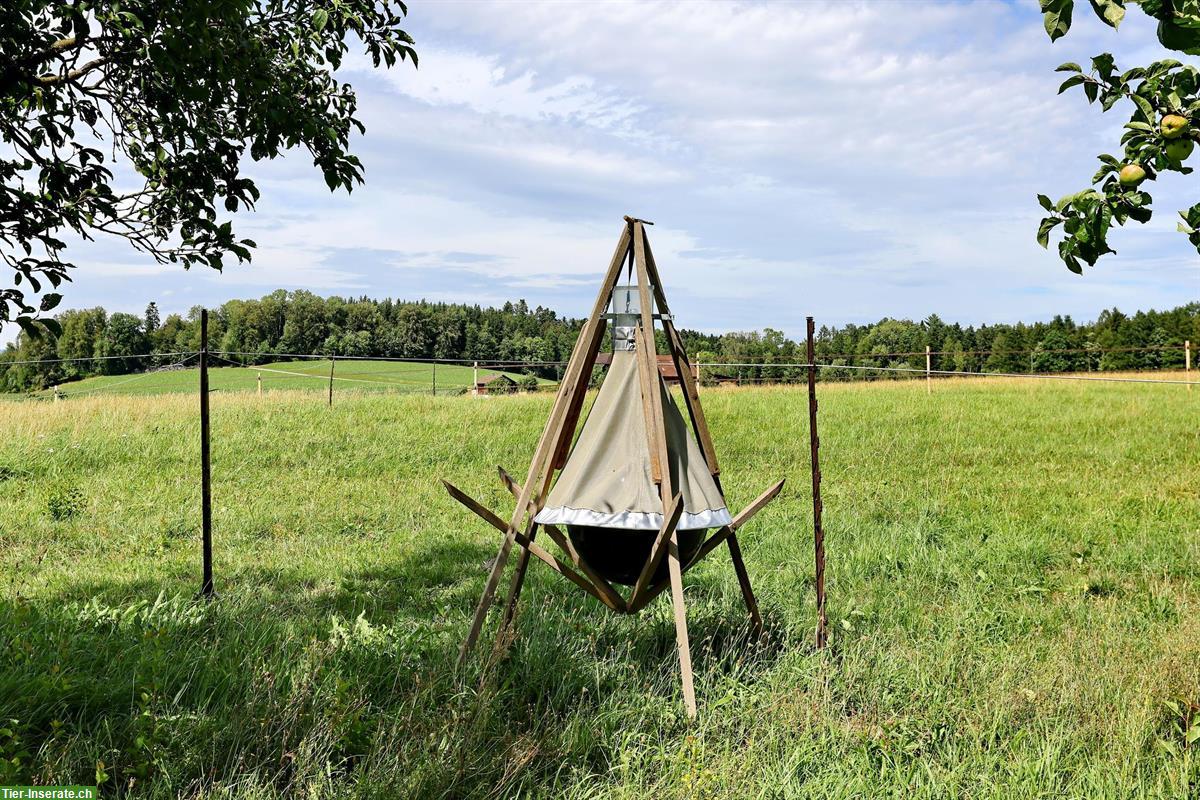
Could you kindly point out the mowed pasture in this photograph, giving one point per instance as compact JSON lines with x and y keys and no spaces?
{"x":1013,"y":578}
{"x":351,"y":375}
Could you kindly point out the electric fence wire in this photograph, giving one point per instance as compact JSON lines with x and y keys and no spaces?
{"x":131,"y":379}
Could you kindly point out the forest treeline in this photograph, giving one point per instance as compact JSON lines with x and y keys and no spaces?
{"x":96,"y":342}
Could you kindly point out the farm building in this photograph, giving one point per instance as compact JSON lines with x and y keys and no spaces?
{"x":495,"y":384}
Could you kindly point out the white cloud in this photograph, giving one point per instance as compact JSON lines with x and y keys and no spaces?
{"x":846,"y":159}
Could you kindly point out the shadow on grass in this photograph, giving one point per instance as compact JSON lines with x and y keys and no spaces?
{"x":286,"y":682}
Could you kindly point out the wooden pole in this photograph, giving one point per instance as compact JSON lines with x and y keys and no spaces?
{"x":260,"y":384}
{"x":331,"y":361}
{"x":1187,"y":362}
{"x":928,"y":371}
{"x":206,"y":586}
{"x":475,"y":377}
{"x":541,"y":468}
{"x":818,"y":530}
{"x":434,"y":391}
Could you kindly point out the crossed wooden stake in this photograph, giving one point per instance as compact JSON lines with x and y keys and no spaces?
{"x":551,"y":455}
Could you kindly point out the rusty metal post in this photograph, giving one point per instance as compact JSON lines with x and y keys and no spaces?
{"x":206,"y":585}
{"x":818,"y":530}
{"x":331,"y":361}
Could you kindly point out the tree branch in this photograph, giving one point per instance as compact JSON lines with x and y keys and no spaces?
{"x":50,"y":80}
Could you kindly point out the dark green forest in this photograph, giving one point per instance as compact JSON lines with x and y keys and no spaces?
{"x":96,"y":342}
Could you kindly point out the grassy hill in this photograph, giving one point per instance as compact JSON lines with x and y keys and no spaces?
{"x":349,"y":375}
{"x":1013,"y":573}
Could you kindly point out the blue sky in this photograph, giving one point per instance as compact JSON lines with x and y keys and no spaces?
{"x":848,"y":160}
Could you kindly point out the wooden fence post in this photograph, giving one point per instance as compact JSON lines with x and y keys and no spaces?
{"x":818,"y":529}
{"x":206,"y":586}
{"x":260,"y":384}
{"x":475,"y":377}
{"x":332,"y":359}
{"x":1187,"y":362}
{"x":928,"y":371}
{"x":434,"y":391}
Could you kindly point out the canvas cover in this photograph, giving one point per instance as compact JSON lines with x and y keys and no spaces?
{"x":607,"y":482}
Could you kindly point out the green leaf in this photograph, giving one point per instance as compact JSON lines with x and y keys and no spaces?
{"x":53,"y":326}
{"x":1069,"y":66}
{"x":320,"y":18}
{"x":30,"y":327}
{"x":1111,"y":11}
{"x":1144,"y":106}
{"x":1043,"y":234}
{"x":1057,"y":17}
{"x":1045,"y":202}
{"x":1074,"y":80}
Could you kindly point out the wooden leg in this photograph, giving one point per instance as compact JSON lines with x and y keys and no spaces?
{"x":514,"y":589}
{"x":489,"y":594}
{"x":739,"y":566}
{"x":681,"y":631}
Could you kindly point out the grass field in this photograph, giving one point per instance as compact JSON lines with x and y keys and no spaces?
{"x":349,"y":375}
{"x":1014,"y":590}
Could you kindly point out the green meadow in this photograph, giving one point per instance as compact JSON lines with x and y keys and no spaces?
{"x":349,"y":375}
{"x":1013,"y":578}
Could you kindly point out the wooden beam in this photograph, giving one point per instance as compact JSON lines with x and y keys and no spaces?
{"x":658,"y":549}
{"x":711,"y":543}
{"x":691,"y":398}
{"x":651,"y":386}
{"x":602,"y":585}
{"x":691,"y":390}
{"x":524,"y":541}
{"x":540,"y":469}
{"x":681,"y":632}
{"x":647,"y":375}
{"x":572,"y":419}
{"x":739,"y":567}
{"x":514,"y":586}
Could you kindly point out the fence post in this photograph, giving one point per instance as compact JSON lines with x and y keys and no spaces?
{"x":475,"y":377}
{"x":696,"y":372}
{"x":206,"y":586}
{"x":818,"y":530}
{"x":332,"y":359}
{"x":434,"y":391}
{"x":928,"y":371}
{"x":260,"y":384}
{"x":1187,"y":362}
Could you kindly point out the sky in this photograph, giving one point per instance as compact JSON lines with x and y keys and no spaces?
{"x":844,"y":160}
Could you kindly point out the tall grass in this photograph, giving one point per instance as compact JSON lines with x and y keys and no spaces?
{"x":1014,"y":584}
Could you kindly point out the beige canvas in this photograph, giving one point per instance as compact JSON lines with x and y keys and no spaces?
{"x":607,"y":480}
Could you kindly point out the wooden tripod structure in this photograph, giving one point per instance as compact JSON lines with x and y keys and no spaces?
{"x":551,"y":456}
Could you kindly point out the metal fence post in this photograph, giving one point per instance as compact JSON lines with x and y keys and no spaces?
{"x":332,"y":359}
{"x":818,"y":529}
{"x":206,"y":586}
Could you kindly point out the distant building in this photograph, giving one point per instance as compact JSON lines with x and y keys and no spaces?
{"x":495,"y":384}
